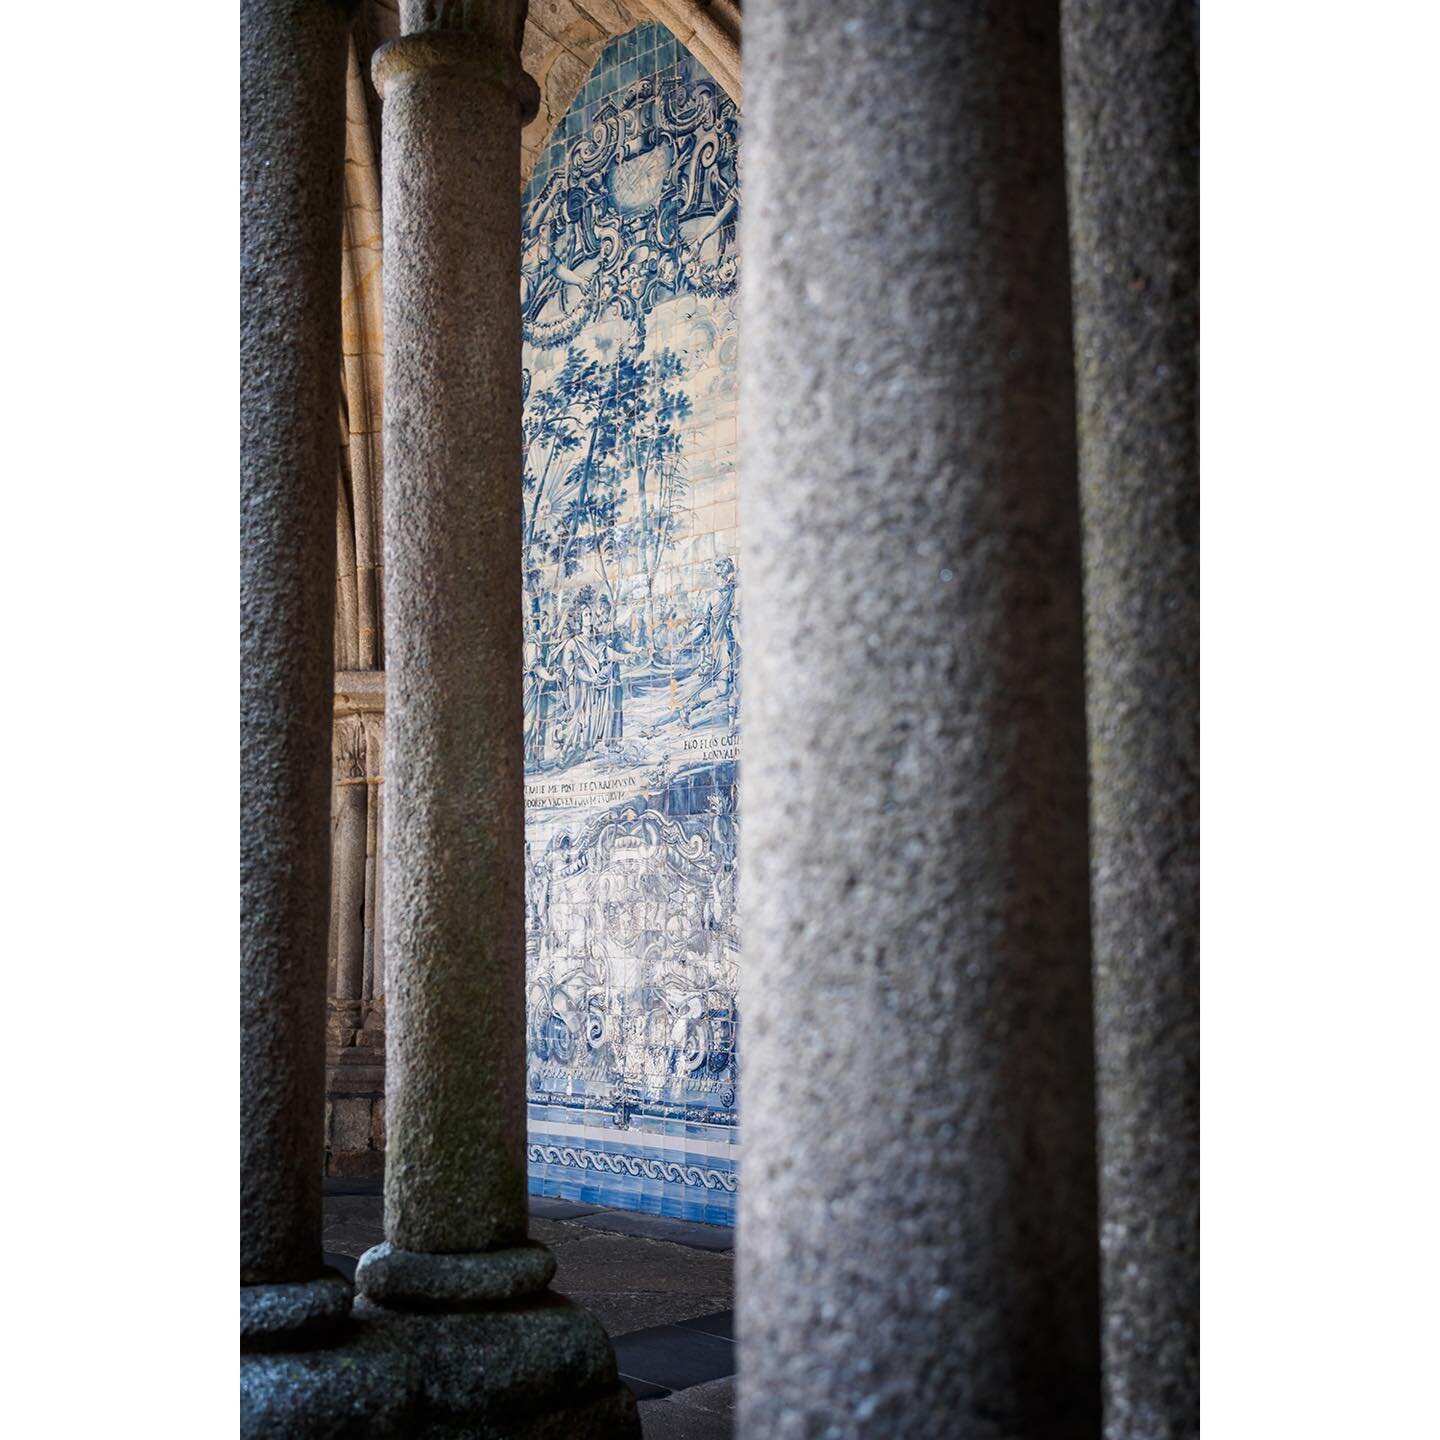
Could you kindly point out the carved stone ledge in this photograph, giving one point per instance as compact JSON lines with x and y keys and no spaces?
{"x":359,"y":692}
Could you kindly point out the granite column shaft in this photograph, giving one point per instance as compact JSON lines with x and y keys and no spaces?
{"x":292,"y":145}
{"x":454,"y":925}
{"x":1132,"y":132}
{"x":456,"y":1284}
{"x":917,"y":1251}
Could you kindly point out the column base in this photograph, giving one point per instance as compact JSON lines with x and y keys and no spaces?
{"x":293,"y":1313}
{"x":414,"y":1280}
{"x":535,"y":1369}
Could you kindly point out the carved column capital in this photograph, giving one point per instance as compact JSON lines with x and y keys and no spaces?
{"x":474,"y":53}
{"x":292,"y":127}
{"x":500,"y":19}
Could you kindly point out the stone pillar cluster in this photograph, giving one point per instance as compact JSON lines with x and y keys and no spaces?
{"x":969,"y":1193}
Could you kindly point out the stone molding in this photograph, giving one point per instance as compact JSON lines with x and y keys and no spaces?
{"x":409,"y":1279}
{"x":359,"y":692}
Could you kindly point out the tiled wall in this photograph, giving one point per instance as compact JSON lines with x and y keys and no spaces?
{"x":632,"y":695}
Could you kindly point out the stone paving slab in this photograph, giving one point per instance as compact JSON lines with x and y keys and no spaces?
{"x":673,"y":1356}
{"x":704,"y":1412}
{"x":626,"y":1264}
{"x":722,"y":1324}
{"x":556,"y":1233}
{"x":622,"y":1312}
{"x":549,"y":1209}
{"x":719,"y":1238}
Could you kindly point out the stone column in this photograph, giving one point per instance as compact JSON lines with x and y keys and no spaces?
{"x":292,"y":142}
{"x":454,"y":763}
{"x":348,"y":862}
{"x":1133,"y":141}
{"x":456,"y":1207}
{"x":917,"y":1250}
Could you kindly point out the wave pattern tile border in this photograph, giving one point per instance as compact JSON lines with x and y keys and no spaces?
{"x":632,"y":651}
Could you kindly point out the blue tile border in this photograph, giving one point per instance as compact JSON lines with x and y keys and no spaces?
{"x":620,"y":1173}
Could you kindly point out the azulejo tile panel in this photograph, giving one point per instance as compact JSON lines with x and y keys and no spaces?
{"x":632,"y":650}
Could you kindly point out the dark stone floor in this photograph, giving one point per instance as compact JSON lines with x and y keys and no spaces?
{"x":664,"y":1289}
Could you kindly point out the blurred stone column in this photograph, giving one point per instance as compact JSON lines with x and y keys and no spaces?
{"x":456,"y":1205}
{"x":1133,"y":140}
{"x":917,"y":1246}
{"x":292,"y":132}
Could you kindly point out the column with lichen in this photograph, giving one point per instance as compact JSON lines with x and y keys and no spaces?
{"x":456,"y":1276}
{"x":292,"y":139}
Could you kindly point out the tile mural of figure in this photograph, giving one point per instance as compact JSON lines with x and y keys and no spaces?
{"x":632,"y":647}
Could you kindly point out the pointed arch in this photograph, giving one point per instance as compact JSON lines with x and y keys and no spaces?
{"x":564,"y":38}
